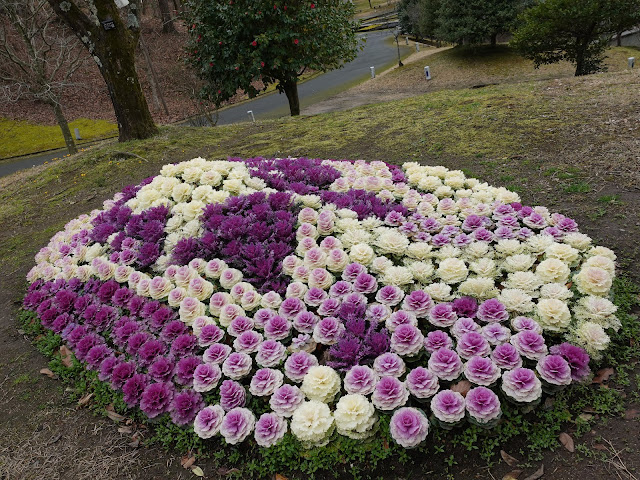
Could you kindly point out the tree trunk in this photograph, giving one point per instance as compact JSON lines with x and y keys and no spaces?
{"x":114,"y":52}
{"x":494,"y":39}
{"x":580,"y":67}
{"x":619,"y":39}
{"x":167,"y":19}
{"x":130,"y":105}
{"x":64,"y":126}
{"x":156,"y":90}
{"x":290,"y":88}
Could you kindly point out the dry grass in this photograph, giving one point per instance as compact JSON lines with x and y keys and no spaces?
{"x":458,"y":68}
{"x":49,"y":449}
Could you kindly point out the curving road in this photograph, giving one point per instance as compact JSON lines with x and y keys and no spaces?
{"x":379,"y":52}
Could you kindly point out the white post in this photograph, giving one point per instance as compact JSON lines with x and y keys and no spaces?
{"x":406,"y":39}
{"x":632,"y":61}
{"x":417,"y":47}
{"x":253,"y":119}
{"x":373,"y":72}
{"x":77,"y":132}
{"x":427,"y":73}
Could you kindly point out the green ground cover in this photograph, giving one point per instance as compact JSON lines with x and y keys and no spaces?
{"x":21,"y":138}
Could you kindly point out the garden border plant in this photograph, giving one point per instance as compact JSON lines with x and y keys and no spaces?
{"x":288,"y":454}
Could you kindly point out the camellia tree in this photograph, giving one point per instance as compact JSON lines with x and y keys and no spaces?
{"x":233,"y":43}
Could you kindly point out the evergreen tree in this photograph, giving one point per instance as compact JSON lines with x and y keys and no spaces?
{"x":234,"y":42}
{"x":475,"y":21}
{"x":419,"y":17}
{"x":575,"y":30}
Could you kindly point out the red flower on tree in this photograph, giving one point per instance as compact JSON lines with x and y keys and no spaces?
{"x":254,"y":43}
{"x":295,"y":41}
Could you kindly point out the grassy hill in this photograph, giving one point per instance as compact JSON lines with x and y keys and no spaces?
{"x":467,"y":67}
{"x":572,"y":144}
{"x":561,"y":141}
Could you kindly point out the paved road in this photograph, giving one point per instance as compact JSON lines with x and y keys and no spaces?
{"x":378,"y":52}
{"x":13,"y":165}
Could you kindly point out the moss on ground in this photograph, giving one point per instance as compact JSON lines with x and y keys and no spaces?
{"x":21,"y":138}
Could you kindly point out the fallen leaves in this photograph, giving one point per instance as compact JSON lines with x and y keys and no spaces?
{"x":567,"y":442}
{"x":197,"y":471}
{"x":135,"y":440}
{"x":631,"y":414}
{"x":66,"y":356}
{"x":512,"y":475}
{"x":111,"y":413}
{"x":537,"y":474}
{"x":602,"y":376}
{"x":508,"y":459}
{"x":462,"y":387}
{"x":227,"y":471}
{"x":280,"y":477}
{"x":85,"y":399}
{"x":54,"y":439}
{"x":187,"y":463}
{"x":47,"y":372}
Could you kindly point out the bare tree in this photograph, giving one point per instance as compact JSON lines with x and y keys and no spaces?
{"x":38,"y":57}
{"x":111,"y":38}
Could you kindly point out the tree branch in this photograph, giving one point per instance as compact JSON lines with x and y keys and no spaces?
{"x":75,"y":18}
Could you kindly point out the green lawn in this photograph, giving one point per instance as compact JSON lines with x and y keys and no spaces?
{"x":21,"y":138}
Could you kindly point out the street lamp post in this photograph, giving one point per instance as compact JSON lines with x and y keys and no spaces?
{"x":396,"y":34}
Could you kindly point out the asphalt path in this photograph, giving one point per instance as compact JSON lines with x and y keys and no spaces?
{"x":378,"y":52}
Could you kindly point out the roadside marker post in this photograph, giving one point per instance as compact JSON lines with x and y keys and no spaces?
{"x":632,"y":61}
{"x":373,"y":72}
{"x":427,"y":73}
{"x":250,"y":112}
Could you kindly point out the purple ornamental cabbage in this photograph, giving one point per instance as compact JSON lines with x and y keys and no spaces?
{"x":409,"y":427}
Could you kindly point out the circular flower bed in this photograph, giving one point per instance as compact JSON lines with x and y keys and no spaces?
{"x":263,"y":298}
